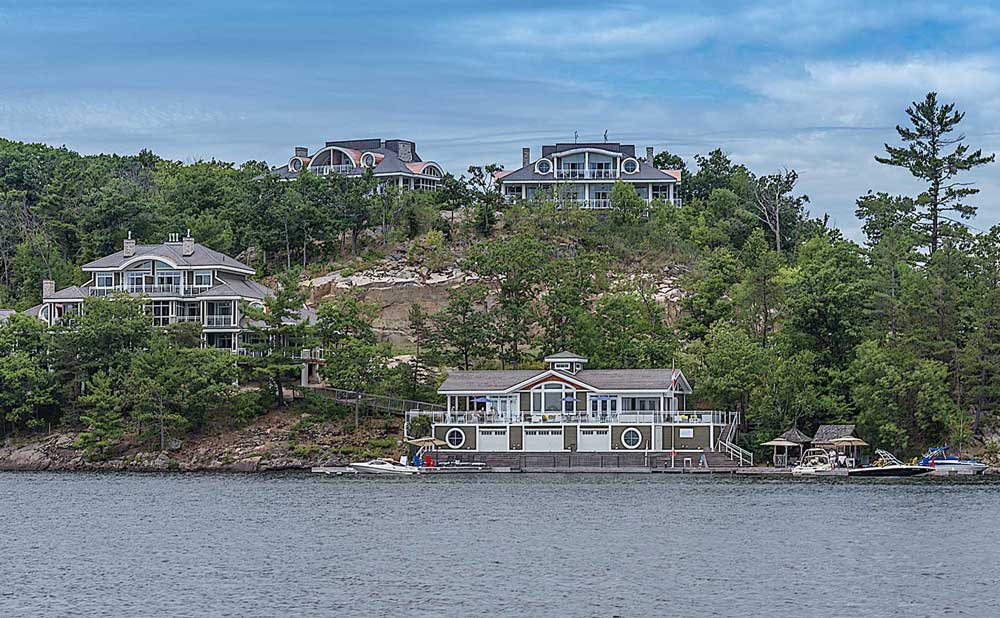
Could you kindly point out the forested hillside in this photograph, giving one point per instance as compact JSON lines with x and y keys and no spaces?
{"x":782,"y":318}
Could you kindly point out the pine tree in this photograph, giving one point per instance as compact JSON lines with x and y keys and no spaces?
{"x":924,"y":154}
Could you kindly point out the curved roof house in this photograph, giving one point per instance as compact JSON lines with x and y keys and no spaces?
{"x":393,"y":161}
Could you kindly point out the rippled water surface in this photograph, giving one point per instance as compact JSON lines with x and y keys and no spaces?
{"x":512,"y":545}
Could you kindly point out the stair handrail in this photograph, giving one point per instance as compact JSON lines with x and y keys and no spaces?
{"x":726,"y":444}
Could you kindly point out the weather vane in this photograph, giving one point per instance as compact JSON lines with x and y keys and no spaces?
{"x":605,"y":136}
{"x":576,"y":135}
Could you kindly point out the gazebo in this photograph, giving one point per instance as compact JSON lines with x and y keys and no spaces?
{"x":792,"y":437}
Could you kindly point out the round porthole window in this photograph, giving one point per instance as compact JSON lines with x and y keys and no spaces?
{"x":455,"y":437}
{"x":368,"y":160}
{"x":630,"y":166}
{"x":295,"y":165}
{"x":631,"y":438}
{"x":543,"y":166}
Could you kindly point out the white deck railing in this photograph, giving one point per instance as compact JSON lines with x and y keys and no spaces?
{"x":484,"y":417}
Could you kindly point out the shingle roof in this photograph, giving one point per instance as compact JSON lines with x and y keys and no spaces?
{"x":795,"y":435}
{"x":5,"y":314}
{"x":600,"y":379}
{"x":565,"y":354}
{"x":201,"y":257}
{"x":238,"y":287}
{"x":825,"y":433}
{"x":73,"y":292}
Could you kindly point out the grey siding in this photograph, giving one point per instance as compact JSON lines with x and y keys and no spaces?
{"x":569,"y":437}
{"x":616,"y":437}
{"x":440,"y":431}
{"x":516,"y":437}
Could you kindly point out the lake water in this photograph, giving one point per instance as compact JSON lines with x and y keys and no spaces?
{"x":127,"y":545}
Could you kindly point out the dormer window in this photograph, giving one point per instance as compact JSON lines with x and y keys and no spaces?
{"x":544,"y":166}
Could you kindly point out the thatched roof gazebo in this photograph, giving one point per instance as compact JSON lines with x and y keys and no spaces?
{"x":796,"y":435}
{"x":791,"y":438}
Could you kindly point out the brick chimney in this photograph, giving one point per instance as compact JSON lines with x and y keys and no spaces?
{"x":187,"y":244}
{"x":525,"y":157}
{"x":649,"y":154}
{"x":48,"y":288}
{"x":128,"y":250}
{"x":301,"y":151}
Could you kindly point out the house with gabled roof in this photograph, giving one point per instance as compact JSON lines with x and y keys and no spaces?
{"x":566,"y":407}
{"x":180,"y":280}
{"x":393,"y":162}
{"x":584,"y":173}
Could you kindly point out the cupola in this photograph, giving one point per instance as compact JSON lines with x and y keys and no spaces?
{"x":565,"y":361}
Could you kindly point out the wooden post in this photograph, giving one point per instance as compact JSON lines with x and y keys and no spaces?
{"x":357,"y":411}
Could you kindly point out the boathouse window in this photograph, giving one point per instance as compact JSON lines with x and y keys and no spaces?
{"x":455,"y":437}
{"x":631,"y":438}
{"x":640,"y":404}
{"x":685,"y":432}
{"x":553,"y":397}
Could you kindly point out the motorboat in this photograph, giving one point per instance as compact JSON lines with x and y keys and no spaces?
{"x":814,"y":461}
{"x":384,"y":466}
{"x":947,"y":465}
{"x":887,"y":465}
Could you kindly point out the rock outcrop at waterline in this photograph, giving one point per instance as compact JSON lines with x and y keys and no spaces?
{"x":280,"y":440}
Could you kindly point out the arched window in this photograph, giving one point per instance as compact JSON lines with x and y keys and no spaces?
{"x":553,"y":397}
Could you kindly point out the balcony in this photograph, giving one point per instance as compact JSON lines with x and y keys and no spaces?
{"x":593,"y":173}
{"x":219,"y":321}
{"x":488,"y":417}
{"x":324,"y":170}
{"x":150,"y":290}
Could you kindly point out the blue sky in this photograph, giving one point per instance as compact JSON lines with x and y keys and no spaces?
{"x":817,"y":88}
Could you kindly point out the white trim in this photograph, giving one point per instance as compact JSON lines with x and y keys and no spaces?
{"x":637,"y":166}
{"x":546,"y":160}
{"x":588,"y":149}
{"x":549,"y":373}
{"x":449,"y":433}
{"x":637,"y":432}
{"x":339,"y":149}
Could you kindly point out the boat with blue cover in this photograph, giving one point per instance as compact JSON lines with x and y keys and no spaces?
{"x":944,"y":464}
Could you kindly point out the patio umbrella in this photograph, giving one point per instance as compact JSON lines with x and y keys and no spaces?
{"x":427,"y":441}
{"x":851,"y":442}
{"x":780,"y":442}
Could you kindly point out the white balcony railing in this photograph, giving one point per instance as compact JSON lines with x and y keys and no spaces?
{"x":150,"y":290}
{"x":323,"y":170}
{"x":693,"y":417}
{"x":594,"y":173}
{"x":219,"y":321}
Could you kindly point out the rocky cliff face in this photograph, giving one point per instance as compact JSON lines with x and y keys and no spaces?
{"x":393,"y":289}
{"x":280,"y":440}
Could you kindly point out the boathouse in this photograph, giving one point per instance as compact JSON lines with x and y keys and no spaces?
{"x":567,"y":408}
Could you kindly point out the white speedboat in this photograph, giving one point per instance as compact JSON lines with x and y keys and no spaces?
{"x":887,"y":465}
{"x":384,"y":466}
{"x":814,"y":461}
{"x":948,"y":465}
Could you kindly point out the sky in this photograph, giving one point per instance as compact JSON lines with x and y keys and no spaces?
{"x":813,"y":86}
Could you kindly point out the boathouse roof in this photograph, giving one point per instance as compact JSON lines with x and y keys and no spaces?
{"x":826,"y":433}
{"x":619,"y":380}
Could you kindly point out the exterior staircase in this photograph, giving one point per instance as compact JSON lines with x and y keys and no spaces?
{"x":726,"y":446}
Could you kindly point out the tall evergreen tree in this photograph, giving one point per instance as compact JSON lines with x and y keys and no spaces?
{"x":933,"y":155}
